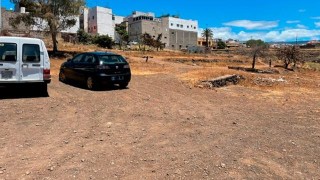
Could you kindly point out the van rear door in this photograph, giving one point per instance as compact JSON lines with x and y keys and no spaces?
{"x":9,"y":63}
{"x":32,"y":62}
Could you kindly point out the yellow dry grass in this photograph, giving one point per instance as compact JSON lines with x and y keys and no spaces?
{"x":198,"y":69}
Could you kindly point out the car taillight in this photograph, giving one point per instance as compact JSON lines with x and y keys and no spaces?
{"x":46,"y":74}
{"x":126,"y":66}
{"x":103,"y":67}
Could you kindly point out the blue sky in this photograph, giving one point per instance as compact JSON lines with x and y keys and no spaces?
{"x":270,"y":20}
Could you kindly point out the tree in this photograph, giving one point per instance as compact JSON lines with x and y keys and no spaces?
{"x":289,"y":55}
{"x":257,"y":49}
{"x":50,"y":15}
{"x":157,"y":42}
{"x":121,"y":29}
{"x":146,"y":40}
{"x":221,"y":44}
{"x":207,"y":34}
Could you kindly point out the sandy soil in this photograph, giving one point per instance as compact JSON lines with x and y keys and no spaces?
{"x":159,"y":128}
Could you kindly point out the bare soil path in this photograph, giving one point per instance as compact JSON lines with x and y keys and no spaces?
{"x":159,"y":128}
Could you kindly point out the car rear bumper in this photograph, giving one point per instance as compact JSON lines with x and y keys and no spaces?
{"x":113,"y":79}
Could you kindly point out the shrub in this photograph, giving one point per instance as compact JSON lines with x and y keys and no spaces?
{"x":103,"y":41}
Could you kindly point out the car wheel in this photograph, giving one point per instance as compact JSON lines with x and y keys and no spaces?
{"x":62,"y":77}
{"x":43,"y":89}
{"x":90,"y":83}
{"x":123,"y":85}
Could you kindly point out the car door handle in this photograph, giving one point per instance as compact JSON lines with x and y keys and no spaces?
{"x":35,"y":65}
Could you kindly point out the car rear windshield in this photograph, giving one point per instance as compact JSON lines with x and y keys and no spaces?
{"x":111,"y":59}
{"x":8,"y":52}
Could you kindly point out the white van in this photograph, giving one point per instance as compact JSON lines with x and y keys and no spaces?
{"x":24,"y":60}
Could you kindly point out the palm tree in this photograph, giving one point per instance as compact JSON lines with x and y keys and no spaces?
{"x":208,"y":34}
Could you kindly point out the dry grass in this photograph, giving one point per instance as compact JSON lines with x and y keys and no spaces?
{"x":196,"y":68}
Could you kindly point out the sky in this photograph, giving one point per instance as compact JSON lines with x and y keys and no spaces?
{"x":269,"y":20}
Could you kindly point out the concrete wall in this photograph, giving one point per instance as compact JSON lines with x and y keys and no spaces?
{"x":7,"y":17}
{"x":180,"y":39}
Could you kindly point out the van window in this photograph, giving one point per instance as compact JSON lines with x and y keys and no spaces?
{"x":31,"y":53}
{"x":8,"y":52}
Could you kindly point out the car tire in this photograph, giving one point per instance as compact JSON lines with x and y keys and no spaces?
{"x":123,"y":85}
{"x":62,"y":77}
{"x":43,"y":89}
{"x":91,"y":85}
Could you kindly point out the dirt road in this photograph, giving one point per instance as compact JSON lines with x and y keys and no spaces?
{"x":159,"y":128}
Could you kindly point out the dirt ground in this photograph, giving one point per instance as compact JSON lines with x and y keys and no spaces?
{"x":160,"y":127}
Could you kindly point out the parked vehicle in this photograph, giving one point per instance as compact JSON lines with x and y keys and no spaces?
{"x":24,"y":61}
{"x":96,"y":69}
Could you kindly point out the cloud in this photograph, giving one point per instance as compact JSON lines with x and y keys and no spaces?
{"x":293,"y":22}
{"x":251,"y":25}
{"x":317,"y":24}
{"x":301,"y":26}
{"x":302,"y":10}
{"x":269,"y":36}
{"x":317,"y":18}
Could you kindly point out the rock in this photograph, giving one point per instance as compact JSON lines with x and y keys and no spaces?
{"x":51,"y":168}
{"x":1,"y":172}
{"x":28,"y":172}
{"x":222,"y":81}
{"x":223,"y":165}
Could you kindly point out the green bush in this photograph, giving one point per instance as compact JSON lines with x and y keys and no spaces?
{"x":103,"y":41}
{"x":83,"y":37}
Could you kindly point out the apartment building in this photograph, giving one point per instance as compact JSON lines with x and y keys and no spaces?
{"x":182,"y":33}
{"x":176,"y":33}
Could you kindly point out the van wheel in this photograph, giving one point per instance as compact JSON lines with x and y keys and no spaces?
{"x":62,"y":77}
{"x":44,"y":89}
{"x":91,"y":84}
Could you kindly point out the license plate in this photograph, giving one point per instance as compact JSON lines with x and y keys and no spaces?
{"x":117,"y":78}
{"x":6,"y":74}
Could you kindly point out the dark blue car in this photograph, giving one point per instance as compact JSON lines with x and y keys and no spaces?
{"x":96,"y":69}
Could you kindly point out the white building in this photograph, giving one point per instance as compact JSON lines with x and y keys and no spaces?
{"x":183,"y":24}
{"x":100,"y":21}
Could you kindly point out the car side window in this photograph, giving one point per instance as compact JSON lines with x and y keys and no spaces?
{"x":90,"y":59}
{"x":31,"y":53}
{"x":77,"y":58}
{"x":8,"y":52}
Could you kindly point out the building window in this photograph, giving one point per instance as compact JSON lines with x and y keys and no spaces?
{"x":172,"y":46}
{"x":181,"y":26}
{"x":187,"y":26}
{"x":195,"y":27}
{"x":172,"y":33}
{"x":92,"y":17}
{"x":171,"y":24}
{"x":113,"y":18}
{"x":178,"y":25}
{"x":165,"y":37}
{"x":94,"y":27}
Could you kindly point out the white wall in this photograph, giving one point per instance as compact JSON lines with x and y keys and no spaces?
{"x":186,"y":25}
{"x":101,"y":18}
{"x":43,"y":26}
{"x":74,"y":28}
